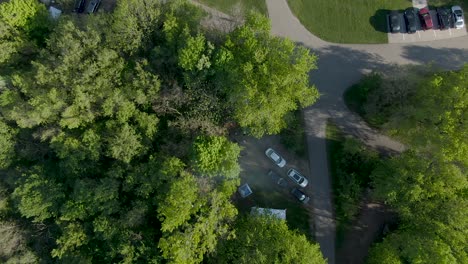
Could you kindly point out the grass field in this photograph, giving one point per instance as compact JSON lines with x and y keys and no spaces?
{"x":231,"y":6}
{"x":346,"y":21}
{"x":353,"y":21}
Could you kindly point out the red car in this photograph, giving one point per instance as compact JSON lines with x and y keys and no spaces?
{"x":426,"y":19}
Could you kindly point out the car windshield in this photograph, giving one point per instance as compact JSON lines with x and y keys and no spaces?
{"x":459,"y":23}
{"x":458,"y":12}
{"x":296,"y":177}
{"x":274,"y":156}
{"x":301,"y":180}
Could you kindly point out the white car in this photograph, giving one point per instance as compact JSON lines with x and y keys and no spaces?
{"x":275,"y":157}
{"x":297,"y":178}
{"x":458,"y":16}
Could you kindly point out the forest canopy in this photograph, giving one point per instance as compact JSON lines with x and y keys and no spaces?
{"x":427,"y":185}
{"x":114,"y":129}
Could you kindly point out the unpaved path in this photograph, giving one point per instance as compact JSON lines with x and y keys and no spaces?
{"x":364,"y":231}
{"x":340,"y":66}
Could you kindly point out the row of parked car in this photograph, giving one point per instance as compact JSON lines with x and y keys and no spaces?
{"x":293,"y":174}
{"x":91,"y":7}
{"x":447,"y":18}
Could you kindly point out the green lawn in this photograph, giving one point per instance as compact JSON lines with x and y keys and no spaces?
{"x":353,"y":21}
{"x":346,"y":21}
{"x":230,"y":6}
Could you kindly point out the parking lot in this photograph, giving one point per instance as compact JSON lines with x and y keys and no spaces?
{"x":424,"y":35}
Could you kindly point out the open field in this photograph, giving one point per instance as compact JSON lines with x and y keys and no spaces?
{"x":352,"y":21}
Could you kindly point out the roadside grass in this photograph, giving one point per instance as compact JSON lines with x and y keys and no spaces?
{"x":334,"y":145}
{"x":356,"y":96}
{"x":351,"y":164}
{"x":233,"y":6}
{"x":448,"y":3}
{"x":293,"y":136}
{"x":267,"y":194}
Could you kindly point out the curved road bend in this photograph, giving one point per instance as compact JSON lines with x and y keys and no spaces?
{"x":340,"y":66}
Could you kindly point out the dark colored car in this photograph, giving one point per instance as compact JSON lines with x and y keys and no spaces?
{"x":79,"y":6}
{"x":300,"y":195}
{"x":411,"y":20}
{"x":444,"y":17}
{"x":426,"y":19}
{"x":277,"y":179}
{"x":93,"y":6}
{"x":394,"y":18}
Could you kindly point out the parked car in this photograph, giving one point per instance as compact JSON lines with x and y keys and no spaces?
{"x":444,"y":17}
{"x":410,"y":18}
{"x":458,"y":19}
{"x":277,"y":179}
{"x":395,"y":26}
{"x":426,"y":19}
{"x":275,"y":157}
{"x":297,"y":178}
{"x":79,"y":6}
{"x":300,"y":195}
{"x":93,"y":6}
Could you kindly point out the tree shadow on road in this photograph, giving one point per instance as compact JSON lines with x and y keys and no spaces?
{"x":445,"y":58}
{"x":339,"y":67}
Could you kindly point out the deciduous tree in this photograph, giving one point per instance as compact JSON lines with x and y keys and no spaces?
{"x":216,"y":156}
{"x":267,"y":76}
{"x":265,"y":239}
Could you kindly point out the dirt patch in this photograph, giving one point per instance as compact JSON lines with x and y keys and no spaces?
{"x":366,"y":230}
{"x":266,"y":193}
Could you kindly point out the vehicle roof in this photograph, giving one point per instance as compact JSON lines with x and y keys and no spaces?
{"x":423,"y":10}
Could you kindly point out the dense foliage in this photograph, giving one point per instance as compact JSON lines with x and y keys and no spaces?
{"x":113,"y":129}
{"x":427,"y":185}
{"x":351,"y":163}
{"x":272,"y":242}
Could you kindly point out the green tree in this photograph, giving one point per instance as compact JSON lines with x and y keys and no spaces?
{"x":264,"y":239}
{"x":7,"y":143}
{"x":267,"y":76}
{"x":200,"y":234}
{"x":412,"y":182}
{"x":179,"y":203}
{"x":21,"y":21}
{"x":428,"y":194}
{"x":434,"y":116}
{"x":215,"y":155}
{"x":38,"y":196}
{"x":133,"y":23}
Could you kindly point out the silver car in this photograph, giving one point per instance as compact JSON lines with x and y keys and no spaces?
{"x":297,"y":178}
{"x":275,"y":157}
{"x":458,"y":16}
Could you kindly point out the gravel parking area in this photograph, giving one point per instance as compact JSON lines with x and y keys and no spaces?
{"x":266,"y":193}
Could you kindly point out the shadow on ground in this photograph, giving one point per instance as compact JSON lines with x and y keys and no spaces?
{"x":447,"y":58}
{"x":379,"y":20}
